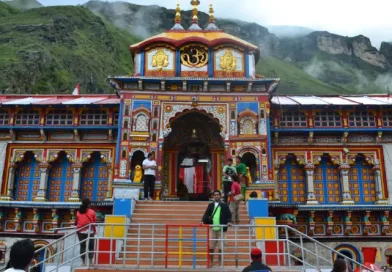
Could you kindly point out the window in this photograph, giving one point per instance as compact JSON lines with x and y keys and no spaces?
{"x":327,"y":119}
{"x":387,"y":120}
{"x":248,"y":127}
{"x":293,"y":119}
{"x":361,"y":182}
{"x":291,"y":182}
{"x":327,"y":182}
{"x":115,"y":123}
{"x":27,"y":117}
{"x":59,"y":117}
{"x":362,"y":119}
{"x":4,"y":118}
{"x":141,"y":123}
{"x":94,"y":118}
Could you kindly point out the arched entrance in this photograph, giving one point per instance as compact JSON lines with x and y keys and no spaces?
{"x":137,"y":159}
{"x":192,"y":155}
{"x":249,"y":159}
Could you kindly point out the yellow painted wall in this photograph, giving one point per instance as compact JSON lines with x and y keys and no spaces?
{"x":266,"y":232}
{"x":115,"y":231}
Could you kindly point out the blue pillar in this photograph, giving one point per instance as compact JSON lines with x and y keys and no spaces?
{"x":246,"y":64}
{"x":119,"y":126}
{"x":178,"y":63}
{"x":210,"y":63}
{"x":270,"y":166}
{"x":142,"y":63}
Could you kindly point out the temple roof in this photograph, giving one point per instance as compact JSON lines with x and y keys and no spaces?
{"x":178,"y":38}
{"x":59,"y":100}
{"x":369,"y":100}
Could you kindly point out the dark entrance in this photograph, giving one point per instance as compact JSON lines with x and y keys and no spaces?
{"x":194,"y":134}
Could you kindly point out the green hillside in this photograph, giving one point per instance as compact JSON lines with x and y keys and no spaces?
{"x":48,"y":50}
{"x":6,"y":10}
{"x":24,"y":4}
{"x":293,"y":79}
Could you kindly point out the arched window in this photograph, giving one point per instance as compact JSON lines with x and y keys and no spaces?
{"x":154,"y":137}
{"x":126,"y":111}
{"x":124,"y":154}
{"x":60,"y":179}
{"x":155,"y":125}
{"x":95,"y":179}
{"x":387,"y":120}
{"x":291,"y":180}
{"x":247,"y":126}
{"x":293,"y":119}
{"x":327,"y":182}
{"x":232,"y":115}
{"x":94,"y":118}
{"x":27,"y":117}
{"x":362,"y":119}
{"x":59,"y":117}
{"x":361,"y":182}
{"x":27,"y":178}
{"x":141,"y":123}
{"x":126,"y":124}
{"x":156,"y":112}
{"x":4,"y":118}
{"x":125,"y":137}
{"x":327,"y":119}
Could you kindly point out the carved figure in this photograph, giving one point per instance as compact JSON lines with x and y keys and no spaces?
{"x":347,"y":218}
{"x":228,"y":62}
{"x":384,"y":218}
{"x":19,"y":215}
{"x":288,"y":216}
{"x":138,"y":176}
{"x":249,"y":176}
{"x":55,"y":216}
{"x":366,"y":218}
{"x":37,"y":216}
{"x":160,"y":60}
{"x":100,"y":215}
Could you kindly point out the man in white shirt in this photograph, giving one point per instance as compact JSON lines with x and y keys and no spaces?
{"x":21,"y":256}
{"x":149,"y":166}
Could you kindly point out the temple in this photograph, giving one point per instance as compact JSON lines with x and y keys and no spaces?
{"x":195,"y":100}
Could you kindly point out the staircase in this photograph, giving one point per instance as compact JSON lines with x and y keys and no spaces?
{"x":194,"y":254}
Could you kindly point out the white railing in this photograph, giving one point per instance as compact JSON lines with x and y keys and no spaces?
{"x":188,"y":246}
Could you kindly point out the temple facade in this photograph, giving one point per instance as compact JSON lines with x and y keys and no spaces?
{"x":195,"y":100}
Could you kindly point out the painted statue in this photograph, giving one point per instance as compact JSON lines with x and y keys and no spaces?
{"x":249,"y":176}
{"x":138,"y":174}
{"x":288,"y":216}
{"x":228,"y":61}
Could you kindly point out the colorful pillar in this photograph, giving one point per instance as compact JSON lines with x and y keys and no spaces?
{"x":44,"y":168}
{"x":311,"y":198}
{"x":346,"y":196}
{"x":110,"y":181}
{"x":77,"y":178}
{"x":11,"y":179}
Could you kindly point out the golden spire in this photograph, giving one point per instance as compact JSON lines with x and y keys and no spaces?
{"x":195,"y":12}
{"x":212,"y":17}
{"x":178,"y":14}
{"x":177,"y":19}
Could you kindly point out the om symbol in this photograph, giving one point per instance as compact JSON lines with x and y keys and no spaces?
{"x":194,"y":57}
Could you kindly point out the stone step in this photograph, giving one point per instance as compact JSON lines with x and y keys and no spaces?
{"x":185,"y":210}
{"x":200,"y":263}
{"x":148,"y":268}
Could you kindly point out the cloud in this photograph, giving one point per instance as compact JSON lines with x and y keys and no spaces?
{"x":384,"y":82}
{"x":347,"y":18}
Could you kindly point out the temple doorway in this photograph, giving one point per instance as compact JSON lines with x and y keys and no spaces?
{"x":193,"y":149}
{"x":137,"y":159}
{"x":249,"y":159}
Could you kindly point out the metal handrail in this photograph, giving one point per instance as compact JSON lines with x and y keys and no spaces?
{"x":288,"y":240}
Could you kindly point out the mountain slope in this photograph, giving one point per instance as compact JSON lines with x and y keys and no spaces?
{"x":350,"y":65}
{"x":23,"y":4}
{"x":49,"y":50}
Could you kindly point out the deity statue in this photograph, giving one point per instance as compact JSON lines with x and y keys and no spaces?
{"x":228,"y":62}
{"x":160,"y":60}
{"x":138,"y":174}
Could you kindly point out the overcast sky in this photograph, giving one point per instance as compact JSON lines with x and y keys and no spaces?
{"x":372,"y":18}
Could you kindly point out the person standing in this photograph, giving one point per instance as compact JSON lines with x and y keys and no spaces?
{"x":84,"y":217}
{"x":149,"y":166}
{"x":216,"y":214}
{"x":242,"y":173}
{"x":21,"y":256}
{"x":235,"y":204}
{"x":339,"y":265}
{"x":256,"y":264}
{"x":228,"y":171}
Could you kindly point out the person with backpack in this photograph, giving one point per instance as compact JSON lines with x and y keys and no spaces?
{"x":84,"y":217}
